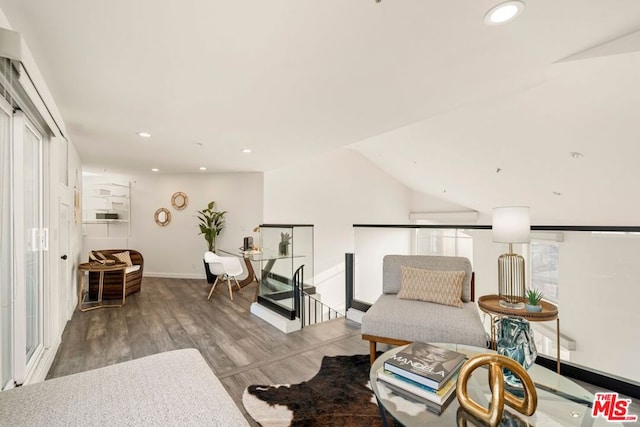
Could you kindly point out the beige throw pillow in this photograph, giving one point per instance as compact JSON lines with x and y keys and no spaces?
{"x":441,"y":287}
{"x":124,"y":257}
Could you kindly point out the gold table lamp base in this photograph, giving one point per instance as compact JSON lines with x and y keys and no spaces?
{"x":511,"y":279}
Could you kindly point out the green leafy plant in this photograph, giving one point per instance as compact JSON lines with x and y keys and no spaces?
{"x":534,"y":296}
{"x":211,"y":224}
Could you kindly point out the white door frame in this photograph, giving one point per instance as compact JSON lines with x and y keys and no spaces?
{"x":7,"y":343}
{"x":21,"y":366}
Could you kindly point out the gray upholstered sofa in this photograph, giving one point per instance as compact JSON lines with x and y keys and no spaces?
{"x":396,"y":321}
{"x":173,"y":388}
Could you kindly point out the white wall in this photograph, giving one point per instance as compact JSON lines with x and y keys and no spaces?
{"x":176,"y":250}
{"x":372,"y":244}
{"x":334,"y":191}
{"x":421,"y":202}
{"x":599,"y":296}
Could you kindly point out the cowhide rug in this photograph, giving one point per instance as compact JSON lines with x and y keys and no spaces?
{"x":339,"y":394}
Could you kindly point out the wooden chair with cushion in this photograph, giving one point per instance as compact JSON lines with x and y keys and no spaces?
{"x":418,"y":304}
{"x":113,"y":279}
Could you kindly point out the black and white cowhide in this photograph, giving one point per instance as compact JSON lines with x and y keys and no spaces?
{"x":339,"y":395}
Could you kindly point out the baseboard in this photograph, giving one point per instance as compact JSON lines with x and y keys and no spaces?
{"x":173,"y":275}
{"x":359,"y":305}
{"x":598,"y":379}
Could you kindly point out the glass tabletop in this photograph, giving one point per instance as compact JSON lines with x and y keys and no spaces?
{"x":257,"y":255}
{"x":561,"y":402}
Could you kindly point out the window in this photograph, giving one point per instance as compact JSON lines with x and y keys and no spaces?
{"x":545,"y":271}
{"x":446,"y":242}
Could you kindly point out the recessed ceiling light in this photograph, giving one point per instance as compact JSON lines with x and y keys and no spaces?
{"x":504,"y":12}
{"x":144,"y":134}
{"x":246,"y":150}
{"x":576,"y":155}
{"x":202,"y":168}
{"x":155,"y":170}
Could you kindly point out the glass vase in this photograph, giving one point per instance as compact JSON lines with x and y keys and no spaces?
{"x":515,"y":340}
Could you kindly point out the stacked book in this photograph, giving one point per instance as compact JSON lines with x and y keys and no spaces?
{"x":424,"y":373}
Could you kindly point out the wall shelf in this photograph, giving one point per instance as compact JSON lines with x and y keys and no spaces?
{"x":100,"y":198}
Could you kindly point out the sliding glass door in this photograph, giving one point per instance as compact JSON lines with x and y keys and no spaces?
{"x":6,"y":286}
{"x":28,"y":241}
{"x":34,"y":236}
{"x":23,"y":232}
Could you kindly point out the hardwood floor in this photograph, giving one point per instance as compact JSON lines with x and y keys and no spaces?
{"x":170,"y":314}
{"x":240,"y":348}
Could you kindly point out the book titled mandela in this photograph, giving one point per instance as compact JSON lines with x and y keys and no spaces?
{"x":425,"y":363}
{"x":415,"y":391}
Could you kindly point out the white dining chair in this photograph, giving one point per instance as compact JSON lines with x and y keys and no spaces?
{"x":225,"y":268}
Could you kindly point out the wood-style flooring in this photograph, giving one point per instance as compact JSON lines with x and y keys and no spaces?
{"x":170,"y":314}
{"x":241,"y":348}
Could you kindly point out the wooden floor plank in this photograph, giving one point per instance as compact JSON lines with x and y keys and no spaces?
{"x":170,"y":314}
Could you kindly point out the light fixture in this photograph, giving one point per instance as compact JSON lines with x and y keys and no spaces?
{"x":511,"y":224}
{"x":576,"y":155}
{"x":155,"y":170}
{"x":504,"y":12}
{"x":144,"y":134}
{"x":246,"y":150}
{"x":202,"y":168}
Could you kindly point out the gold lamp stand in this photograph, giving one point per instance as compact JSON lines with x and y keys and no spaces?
{"x":511,"y":284}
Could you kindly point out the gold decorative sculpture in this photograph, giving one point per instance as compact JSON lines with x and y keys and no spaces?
{"x":499,"y":396}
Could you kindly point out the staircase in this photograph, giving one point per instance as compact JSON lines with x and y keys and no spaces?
{"x":309,"y":309}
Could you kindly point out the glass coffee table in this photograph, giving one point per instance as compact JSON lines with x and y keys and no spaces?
{"x":561,"y":402}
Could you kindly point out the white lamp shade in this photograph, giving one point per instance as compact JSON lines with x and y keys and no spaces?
{"x":511,"y":224}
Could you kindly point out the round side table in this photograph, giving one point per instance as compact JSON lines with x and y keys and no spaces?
{"x":100,"y":268}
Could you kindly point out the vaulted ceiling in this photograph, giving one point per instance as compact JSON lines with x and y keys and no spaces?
{"x":478,"y":115}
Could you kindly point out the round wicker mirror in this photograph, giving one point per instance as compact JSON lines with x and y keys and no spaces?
{"x":162,"y":217}
{"x":179,"y":200}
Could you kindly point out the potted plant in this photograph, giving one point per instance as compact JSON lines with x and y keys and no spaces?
{"x":211,"y":225}
{"x":283,"y":247}
{"x":533,"y":297}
